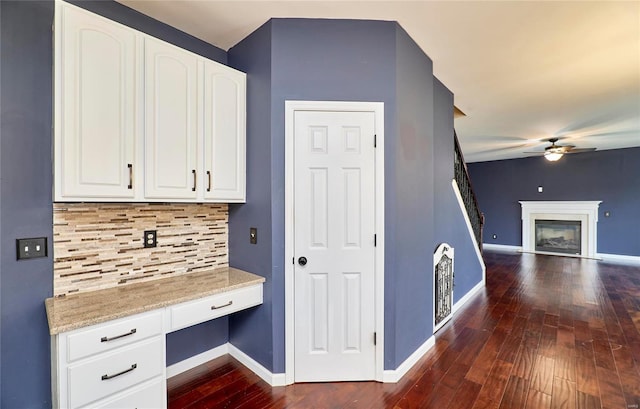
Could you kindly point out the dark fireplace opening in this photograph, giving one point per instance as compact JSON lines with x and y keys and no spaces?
{"x":558,"y":236}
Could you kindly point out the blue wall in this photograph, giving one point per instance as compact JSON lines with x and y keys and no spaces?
{"x":25,"y":211}
{"x":449,"y":221}
{"x":309,"y":60}
{"x":300,"y":59}
{"x":612,"y":176}
{"x":409,"y":226}
{"x":252,"y":330}
{"x":25,"y":190}
{"x":285,"y":59}
{"x":348,"y":60}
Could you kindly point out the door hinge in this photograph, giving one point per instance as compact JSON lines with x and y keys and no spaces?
{"x":375,"y":141}
{"x":375,"y":338}
{"x":375,"y":240}
{"x":293,"y":261}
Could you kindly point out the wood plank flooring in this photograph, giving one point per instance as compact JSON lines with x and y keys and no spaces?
{"x":548,"y":332}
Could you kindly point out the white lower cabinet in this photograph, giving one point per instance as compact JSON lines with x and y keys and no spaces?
{"x":114,"y":372}
{"x":110,"y":361}
{"x":122,"y":363}
{"x":149,"y":395}
{"x":194,"y":312}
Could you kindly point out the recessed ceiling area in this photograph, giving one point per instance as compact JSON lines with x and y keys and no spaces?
{"x":521,"y":71}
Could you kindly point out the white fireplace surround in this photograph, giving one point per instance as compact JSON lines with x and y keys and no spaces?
{"x":584,"y":211}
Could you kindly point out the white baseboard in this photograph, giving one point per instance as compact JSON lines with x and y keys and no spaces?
{"x":468,"y":296}
{"x":599,"y":256}
{"x":266,"y":375}
{"x":244,"y":359}
{"x":619,"y":258}
{"x":502,"y":247}
{"x":196,"y":360}
{"x":394,"y":375}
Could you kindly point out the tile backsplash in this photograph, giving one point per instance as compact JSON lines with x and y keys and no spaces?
{"x":100,"y":245}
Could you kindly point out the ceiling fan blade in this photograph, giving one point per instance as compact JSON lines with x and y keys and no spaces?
{"x":581,"y":150}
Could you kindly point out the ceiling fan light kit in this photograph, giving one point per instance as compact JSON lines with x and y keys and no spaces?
{"x":554,"y":152}
{"x":552,"y":156}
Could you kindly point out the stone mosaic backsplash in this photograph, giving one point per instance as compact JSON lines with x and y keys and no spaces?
{"x":100,"y":245}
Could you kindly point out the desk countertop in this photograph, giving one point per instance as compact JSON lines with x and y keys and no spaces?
{"x":80,"y":310}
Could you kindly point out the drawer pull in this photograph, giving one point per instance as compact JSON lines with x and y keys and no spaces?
{"x":209,"y":178}
{"x":106,"y":339}
{"x":106,"y":377}
{"x":213,"y":307}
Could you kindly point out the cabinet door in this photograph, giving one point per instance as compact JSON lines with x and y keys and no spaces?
{"x":171,"y":158}
{"x":95,"y":128}
{"x":224,"y":133}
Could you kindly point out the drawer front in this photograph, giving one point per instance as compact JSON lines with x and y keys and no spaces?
{"x":148,"y":396}
{"x":105,"y":337}
{"x":194,"y":312}
{"x":115,"y":371}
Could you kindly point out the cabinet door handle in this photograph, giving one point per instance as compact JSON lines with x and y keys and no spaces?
{"x":107,"y":339}
{"x":106,"y":377}
{"x":213,"y":307}
{"x":193,"y":171}
{"x":209,"y":178}
{"x":130,"y":166}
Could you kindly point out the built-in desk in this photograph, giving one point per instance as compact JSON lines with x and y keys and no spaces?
{"x":108,"y":346}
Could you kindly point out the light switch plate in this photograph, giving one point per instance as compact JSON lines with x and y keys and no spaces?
{"x":31,"y":248}
{"x":253,"y":235}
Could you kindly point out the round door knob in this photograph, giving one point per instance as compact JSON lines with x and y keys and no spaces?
{"x":302,"y":261}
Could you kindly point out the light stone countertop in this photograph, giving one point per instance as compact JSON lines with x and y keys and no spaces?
{"x":94,"y":307}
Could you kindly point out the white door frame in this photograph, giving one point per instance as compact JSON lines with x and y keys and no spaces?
{"x":378,"y":109}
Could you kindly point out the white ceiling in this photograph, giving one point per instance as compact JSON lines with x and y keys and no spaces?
{"x":522,"y":71}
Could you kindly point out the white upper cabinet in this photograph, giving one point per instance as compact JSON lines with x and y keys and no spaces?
{"x":95,"y":97}
{"x":171,"y":138}
{"x":224,"y":133}
{"x":140,"y":120}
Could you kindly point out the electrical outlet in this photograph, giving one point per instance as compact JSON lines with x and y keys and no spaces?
{"x":495,"y":236}
{"x":150,"y":238}
{"x":540,"y":189}
{"x":607,"y":213}
{"x":31,"y":248}
{"x":253,"y":235}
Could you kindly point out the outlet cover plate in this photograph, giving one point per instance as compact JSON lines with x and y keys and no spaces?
{"x":150,"y":238}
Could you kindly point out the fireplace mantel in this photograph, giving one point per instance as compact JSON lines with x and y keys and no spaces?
{"x":585,"y":211}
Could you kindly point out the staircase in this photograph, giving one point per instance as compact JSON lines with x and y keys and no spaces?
{"x":461,"y":174}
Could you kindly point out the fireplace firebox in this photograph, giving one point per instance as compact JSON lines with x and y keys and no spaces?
{"x":558,"y":236}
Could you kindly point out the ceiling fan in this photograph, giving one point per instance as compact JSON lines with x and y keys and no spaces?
{"x":554,"y":152}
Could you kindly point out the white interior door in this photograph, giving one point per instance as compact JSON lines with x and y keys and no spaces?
{"x":334,"y":228}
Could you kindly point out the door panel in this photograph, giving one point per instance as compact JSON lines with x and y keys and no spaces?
{"x":334,"y":230}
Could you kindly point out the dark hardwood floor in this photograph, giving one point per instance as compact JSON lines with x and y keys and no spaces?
{"x":548,"y":332}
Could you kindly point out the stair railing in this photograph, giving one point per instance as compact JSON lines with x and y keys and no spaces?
{"x":468,"y":195}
